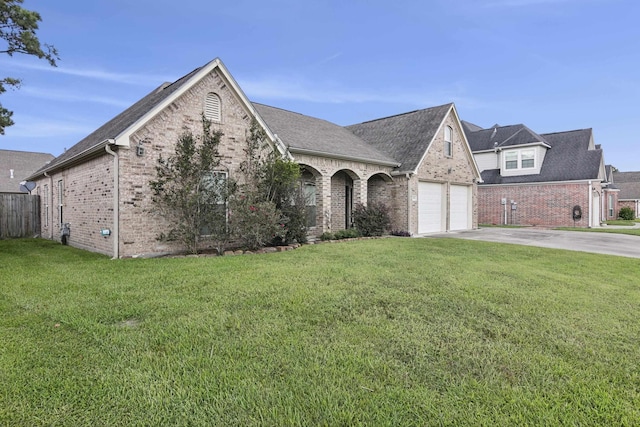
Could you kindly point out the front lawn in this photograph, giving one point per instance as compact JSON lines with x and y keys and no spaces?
{"x":393,"y":332}
{"x":629,"y":231}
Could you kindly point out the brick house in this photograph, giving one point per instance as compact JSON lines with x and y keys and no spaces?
{"x":548,"y":180}
{"x":629,"y":185}
{"x":100,"y":186}
{"x":16,"y":166}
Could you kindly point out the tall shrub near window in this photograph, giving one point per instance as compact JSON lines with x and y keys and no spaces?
{"x":185,"y":193}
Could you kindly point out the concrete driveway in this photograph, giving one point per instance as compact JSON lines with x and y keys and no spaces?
{"x":601,"y":243}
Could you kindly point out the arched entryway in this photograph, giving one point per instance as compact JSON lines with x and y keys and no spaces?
{"x":342,"y":199}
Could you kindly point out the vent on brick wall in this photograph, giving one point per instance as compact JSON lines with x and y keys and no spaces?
{"x":212,"y":110}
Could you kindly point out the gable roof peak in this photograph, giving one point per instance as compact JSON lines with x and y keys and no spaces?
{"x":449,"y":105}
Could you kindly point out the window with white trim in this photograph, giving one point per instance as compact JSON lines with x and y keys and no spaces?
{"x":213,"y":107}
{"x":611,"y":213}
{"x":520,"y":159}
{"x":45,"y":204}
{"x":309,"y":188}
{"x":448,"y":141}
{"x":60,"y":200}
{"x":214,"y":202}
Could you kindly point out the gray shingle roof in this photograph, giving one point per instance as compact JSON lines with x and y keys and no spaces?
{"x":23,"y":163}
{"x":122,"y":121}
{"x":568,"y":159}
{"x":629,"y":185}
{"x":501,"y":136}
{"x":404,"y":137}
{"x":309,"y":134}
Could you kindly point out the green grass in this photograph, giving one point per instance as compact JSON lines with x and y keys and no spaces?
{"x":629,"y":231}
{"x":623,"y":222}
{"x":378,"y":332}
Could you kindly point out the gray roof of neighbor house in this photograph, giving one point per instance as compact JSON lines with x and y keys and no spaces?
{"x":121,"y":122}
{"x":470,"y":127}
{"x":568,"y":159}
{"x":23,"y":164}
{"x":404,"y":137}
{"x":501,"y":136}
{"x":304,"y":134}
{"x":629,"y":185}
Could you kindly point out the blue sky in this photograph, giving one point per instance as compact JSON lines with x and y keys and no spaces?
{"x":553,"y":65}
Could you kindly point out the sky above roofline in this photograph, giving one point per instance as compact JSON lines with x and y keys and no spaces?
{"x":553,"y":65}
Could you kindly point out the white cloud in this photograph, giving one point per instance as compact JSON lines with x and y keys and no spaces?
{"x":125,"y":78}
{"x":289,"y":88}
{"x":66,"y":96}
{"x":33,"y":127}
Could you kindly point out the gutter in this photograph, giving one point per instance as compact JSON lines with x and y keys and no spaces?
{"x":342,"y":157}
{"x":116,"y":197}
{"x":92,"y":150}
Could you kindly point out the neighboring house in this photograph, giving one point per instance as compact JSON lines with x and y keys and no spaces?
{"x":629,"y":185}
{"x":423,"y":171}
{"x":16,"y":166}
{"x":549,"y":180}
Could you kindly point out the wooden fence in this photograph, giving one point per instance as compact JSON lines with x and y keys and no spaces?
{"x":19,"y":215}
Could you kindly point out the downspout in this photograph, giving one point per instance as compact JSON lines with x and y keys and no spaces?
{"x":408,"y":203}
{"x":590,"y":221}
{"x":116,"y":199}
{"x":50,"y":197}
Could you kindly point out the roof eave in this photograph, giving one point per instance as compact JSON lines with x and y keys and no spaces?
{"x":342,"y":157}
{"x":74,"y":159}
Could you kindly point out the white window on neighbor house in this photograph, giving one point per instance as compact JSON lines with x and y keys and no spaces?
{"x":213,"y":107}
{"x":448,"y":141}
{"x":611,"y":213}
{"x":520,"y":159}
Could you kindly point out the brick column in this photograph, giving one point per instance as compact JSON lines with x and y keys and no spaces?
{"x":360,"y":191}
{"x":323,"y":201}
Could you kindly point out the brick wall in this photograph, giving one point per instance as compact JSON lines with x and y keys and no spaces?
{"x":546,"y":205}
{"x":458,"y":169}
{"x":87,"y":204}
{"x":140,"y":224}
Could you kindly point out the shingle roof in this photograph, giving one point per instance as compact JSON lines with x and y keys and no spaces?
{"x":568,"y":159}
{"x":629,"y":185}
{"x":304,"y":133}
{"x":470,"y":127}
{"x":122,"y":121}
{"x":404,"y":137}
{"x":502,"y":136}
{"x":23,"y":164}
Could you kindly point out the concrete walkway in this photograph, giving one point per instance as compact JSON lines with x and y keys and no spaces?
{"x":601,"y":243}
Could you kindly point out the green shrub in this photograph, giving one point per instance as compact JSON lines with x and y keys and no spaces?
{"x":349,"y":233}
{"x":255,"y":223}
{"x":627,"y":213}
{"x":371,"y":220}
{"x":327,"y":236}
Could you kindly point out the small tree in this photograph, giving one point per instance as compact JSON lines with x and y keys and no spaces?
{"x":190,"y":193}
{"x":269,"y":185}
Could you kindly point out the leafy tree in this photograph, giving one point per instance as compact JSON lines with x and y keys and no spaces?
{"x":269,"y":179}
{"x":18,"y":30}
{"x":191,"y":193}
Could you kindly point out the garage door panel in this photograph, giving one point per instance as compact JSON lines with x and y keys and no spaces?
{"x":459,"y":208}
{"x":430,"y":207}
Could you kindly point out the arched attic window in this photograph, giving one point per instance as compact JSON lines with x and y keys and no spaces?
{"x":213,"y":107}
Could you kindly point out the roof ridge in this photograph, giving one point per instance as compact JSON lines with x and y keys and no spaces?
{"x":566,"y":131}
{"x":402,"y":114}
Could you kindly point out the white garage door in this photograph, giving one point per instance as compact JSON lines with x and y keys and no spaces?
{"x":429,"y":207}
{"x":459,"y":209}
